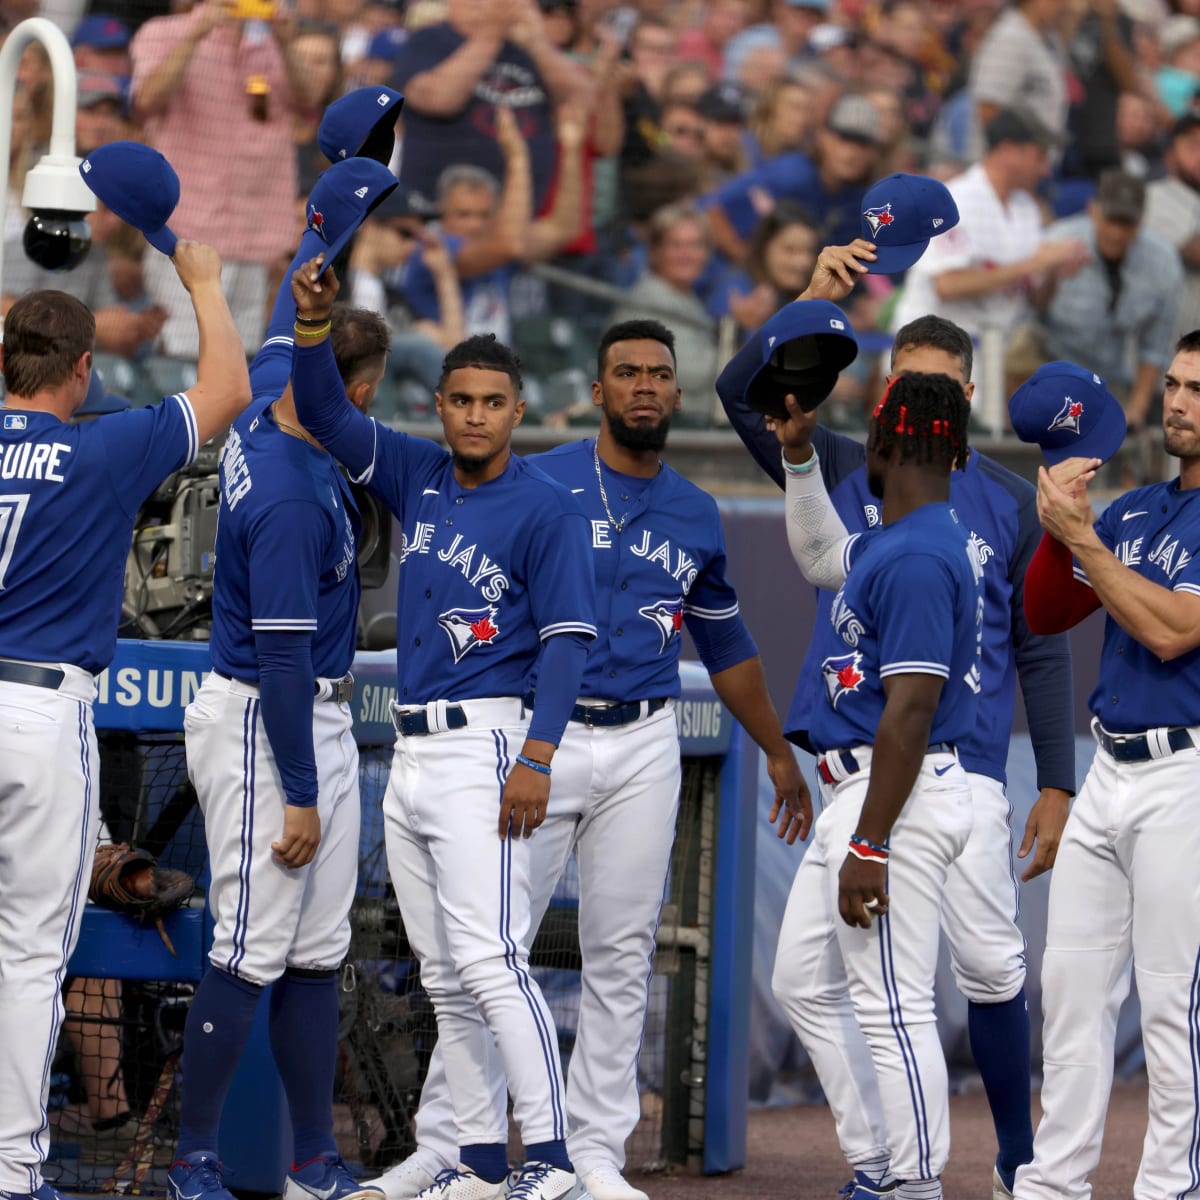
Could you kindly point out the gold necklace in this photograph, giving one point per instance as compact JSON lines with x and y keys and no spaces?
{"x":300,"y":433}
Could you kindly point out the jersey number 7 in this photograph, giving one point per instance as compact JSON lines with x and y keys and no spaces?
{"x":12,"y":512}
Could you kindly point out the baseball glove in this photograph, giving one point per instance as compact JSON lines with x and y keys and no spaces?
{"x":131,"y":881}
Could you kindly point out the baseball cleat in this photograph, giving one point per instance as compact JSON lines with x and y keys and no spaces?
{"x":1000,"y":1189}
{"x":197,"y":1176}
{"x":404,"y":1181}
{"x":607,"y":1183}
{"x":461,"y":1183}
{"x":541,"y":1181}
{"x":326,"y":1178}
{"x":863,"y":1187}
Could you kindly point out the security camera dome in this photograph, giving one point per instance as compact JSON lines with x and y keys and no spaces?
{"x":57,"y":240}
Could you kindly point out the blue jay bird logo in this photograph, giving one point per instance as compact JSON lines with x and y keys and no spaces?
{"x":469,"y":627}
{"x":1068,"y":416}
{"x":880,"y":217}
{"x":668,"y":616}
{"x":842,"y":674}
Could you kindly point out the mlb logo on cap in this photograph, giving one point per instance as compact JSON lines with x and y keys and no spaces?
{"x":342,"y":197}
{"x":801,"y":350}
{"x":901,"y":214}
{"x":1069,"y":412}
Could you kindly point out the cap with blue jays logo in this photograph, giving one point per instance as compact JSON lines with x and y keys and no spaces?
{"x":1069,"y":412}
{"x":901,"y":214}
{"x":341,"y":198}
{"x":361,"y":124}
{"x":802,"y":349}
{"x":139,"y":185}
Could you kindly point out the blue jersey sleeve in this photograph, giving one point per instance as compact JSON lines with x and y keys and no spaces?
{"x":913,"y":599}
{"x":284,"y":551}
{"x":143,"y":447}
{"x":559,"y":573}
{"x":712,"y":616}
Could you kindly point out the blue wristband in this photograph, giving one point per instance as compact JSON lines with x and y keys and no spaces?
{"x":540,"y":768}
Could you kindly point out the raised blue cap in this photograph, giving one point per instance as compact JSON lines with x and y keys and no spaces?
{"x":340,"y":199}
{"x":901,"y":214}
{"x":362,"y":123}
{"x":139,"y":185}
{"x":99,"y":401}
{"x":1069,"y":412}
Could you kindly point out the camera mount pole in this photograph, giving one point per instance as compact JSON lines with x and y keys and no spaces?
{"x":54,"y":183}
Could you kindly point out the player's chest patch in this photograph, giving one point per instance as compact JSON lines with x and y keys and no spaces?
{"x":677,"y":562}
{"x":667,"y":617}
{"x":842,"y":673}
{"x":469,"y":627}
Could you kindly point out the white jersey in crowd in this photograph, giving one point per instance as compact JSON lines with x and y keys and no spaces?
{"x":989,"y":232}
{"x":1173,"y":212}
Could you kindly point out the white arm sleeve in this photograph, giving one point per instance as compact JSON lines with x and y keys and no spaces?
{"x":815,"y":531}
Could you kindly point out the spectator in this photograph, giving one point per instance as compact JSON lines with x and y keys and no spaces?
{"x":781,"y":121}
{"x":488,"y":231}
{"x":458,"y":75}
{"x":34,"y":75}
{"x":904,"y":33}
{"x":101,"y":43}
{"x":1178,"y":75}
{"x":830,"y":184}
{"x":200,"y":71}
{"x":705,"y":43}
{"x":788,"y":30}
{"x":836,"y":48}
{"x":759,"y":64}
{"x":686,"y":83}
{"x":651,"y":47}
{"x":382,"y":52}
{"x":724,"y":109}
{"x":679,"y":251}
{"x":314,"y":54}
{"x":683,"y":130}
{"x":1173,"y":212}
{"x":1117,"y":316}
{"x":1021,"y":62}
{"x":100,"y":108}
{"x":978,"y":273}
{"x":1138,"y":136}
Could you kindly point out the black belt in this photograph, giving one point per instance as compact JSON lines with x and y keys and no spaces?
{"x":341,"y":690}
{"x":43,"y":677}
{"x":1135,"y":747}
{"x":850,"y":765}
{"x":416,"y":724}
{"x":609,"y":716}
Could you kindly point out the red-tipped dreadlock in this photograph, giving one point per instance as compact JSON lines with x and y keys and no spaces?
{"x":924,"y":419}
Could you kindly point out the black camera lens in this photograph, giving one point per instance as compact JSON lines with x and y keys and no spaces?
{"x":57,"y":240}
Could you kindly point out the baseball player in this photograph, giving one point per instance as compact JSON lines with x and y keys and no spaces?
{"x":900,"y":655}
{"x":269,"y":736}
{"x":69,"y":495}
{"x":495,"y":578}
{"x":1125,"y":883}
{"x":659,"y":561}
{"x":987,"y":949}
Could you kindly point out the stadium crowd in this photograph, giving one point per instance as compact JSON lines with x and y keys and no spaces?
{"x":682,"y":159}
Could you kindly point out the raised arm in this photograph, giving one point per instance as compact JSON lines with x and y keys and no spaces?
{"x":154,"y":86}
{"x":444,"y":90}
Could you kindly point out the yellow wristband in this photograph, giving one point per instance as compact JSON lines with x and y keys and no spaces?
{"x":313,"y":333}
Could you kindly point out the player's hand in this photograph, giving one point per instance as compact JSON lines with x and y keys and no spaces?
{"x":1065,"y":512}
{"x":524,"y":801}
{"x":1073,"y":473}
{"x":860,"y":884}
{"x":1045,"y":826}
{"x":197,"y":265}
{"x":838,"y":269}
{"x":301,"y":836}
{"x":314,"y":288}
{"x":796,"y":433}
{"x":793,"y":803}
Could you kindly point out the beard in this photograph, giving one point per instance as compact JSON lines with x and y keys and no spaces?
{"x":638,"y":437}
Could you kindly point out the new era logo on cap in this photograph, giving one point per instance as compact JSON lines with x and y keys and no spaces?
{"x":900,"y":215}
{"x":360,"y":192}
{"x":938,"y":222}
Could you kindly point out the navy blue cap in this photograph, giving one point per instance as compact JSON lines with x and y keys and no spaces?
{"x":139,"y":185}
{"x":101,"y":32}
{"x":387,"y":44}
{"x":802,"y":349}
{"x":1069,"y":412}
{"x":341,"y":198}
{"x":900,"y":215}
{"x":99,"y":401}
{"x":362,"y":123}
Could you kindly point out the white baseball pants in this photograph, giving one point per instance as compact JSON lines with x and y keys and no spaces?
{"x":49,"y":820}
{"x":1125,"y":886}
{"x":861,"y":1000}
{"x":269,"y":917}
{"x":614,"y":801}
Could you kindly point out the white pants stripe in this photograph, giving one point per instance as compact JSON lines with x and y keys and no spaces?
{"x":49,"y":821}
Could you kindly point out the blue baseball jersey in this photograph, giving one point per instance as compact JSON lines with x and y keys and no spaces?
{"x":999,"y":510}
{"x":69,"y":496}
{"x":911,"y":605}
{"x":663,"y":569}
{"x":1154,"y":531}
{"x":287,"y":538}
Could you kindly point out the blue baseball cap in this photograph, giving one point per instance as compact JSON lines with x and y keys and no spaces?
{"x":802,"y":349}
{"x":341,"y":198}
{"x":1069,"y":412}
{"x":101,"y":32}
{"x":139,"y":185}
{"x":901,"y":214}
{"x":387,"y":43}
{"x":99,"y":401}
{"x":361,"y":124}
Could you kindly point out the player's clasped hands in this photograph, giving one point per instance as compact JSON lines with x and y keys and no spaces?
{"x":1062,"y":500}
{"x":301,"y":836}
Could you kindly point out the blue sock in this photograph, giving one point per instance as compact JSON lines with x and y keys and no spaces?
{"x":488,"y":1160}
{"x":999,"y":1036}
{"x":554,"y":1153}
{"x":304,"y":1026}
{"x":214,"y":1036}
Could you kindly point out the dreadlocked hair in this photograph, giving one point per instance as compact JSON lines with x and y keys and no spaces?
{"x":923,"y":419}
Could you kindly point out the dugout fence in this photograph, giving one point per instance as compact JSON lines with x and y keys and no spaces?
{"x":128,"y":995}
